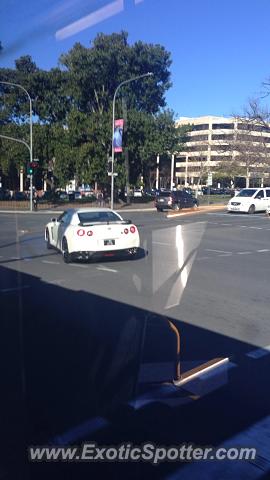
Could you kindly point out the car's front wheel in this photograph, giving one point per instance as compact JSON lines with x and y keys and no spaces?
{"x":66,"y":255}
{"x":251,"y":209}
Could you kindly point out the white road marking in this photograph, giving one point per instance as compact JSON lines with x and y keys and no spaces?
{"x":225,"y":255}
{"x":226,"y":224}
{"x":162,"y":243}
{"x":56,"y":281}
{"x":106,"y":269}
{"x":263,"y":250}
{"x":77,"y":265}
{"x":256,"y":228}
{"x":216,"y":251}
{"x":14,"y":289}
{"x":259,"y":352}
{"x":51,"y":262}
{"x":243,"y":253}
{"x":203,"y":258}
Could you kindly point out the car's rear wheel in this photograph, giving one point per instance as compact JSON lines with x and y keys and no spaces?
{"x":195,"y":206}
{"x":251,"y":209}
{"x":66,"y":255}
{"x":48,"y":243}
{"x":176,"y":207}
{"x":159,"y":209}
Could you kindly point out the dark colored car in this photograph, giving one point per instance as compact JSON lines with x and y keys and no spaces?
{"x":174,"y":200}
{"x":19,"y":196}
{"x":4,"y":194}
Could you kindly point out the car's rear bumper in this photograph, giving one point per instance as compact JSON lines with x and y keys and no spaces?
{"x":164,"y":206}
{"x":89,"y":255}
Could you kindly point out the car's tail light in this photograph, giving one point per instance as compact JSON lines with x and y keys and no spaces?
{"x":126,"y":231}
{"x":81,"y":232}
{"x":90,"y":233}
{"x":133,"y":229}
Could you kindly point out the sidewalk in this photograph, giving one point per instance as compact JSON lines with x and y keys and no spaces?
{"x":23,"y":207}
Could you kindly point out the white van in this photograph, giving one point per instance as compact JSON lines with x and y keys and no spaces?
{"x":250,"y":200}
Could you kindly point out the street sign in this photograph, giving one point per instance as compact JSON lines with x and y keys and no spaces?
{"x":210,"y":179}
{"x":110,"y":174}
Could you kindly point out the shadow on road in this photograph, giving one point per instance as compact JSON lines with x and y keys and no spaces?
{"x":70,"y":359}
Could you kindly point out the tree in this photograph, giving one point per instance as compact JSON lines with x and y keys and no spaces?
{"x":72,"y":107}
{"x":95,"y":73}
{"x":249,"y":148}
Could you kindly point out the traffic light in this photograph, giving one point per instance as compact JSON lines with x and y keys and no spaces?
{"x":31,"y":166}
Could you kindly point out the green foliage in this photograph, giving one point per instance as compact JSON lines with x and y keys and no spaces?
{"x":72,"y":111}
{"x":95,"y":72}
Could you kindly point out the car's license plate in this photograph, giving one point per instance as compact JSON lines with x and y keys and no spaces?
{"x":109,"y":242}
{"x":161,"y":200}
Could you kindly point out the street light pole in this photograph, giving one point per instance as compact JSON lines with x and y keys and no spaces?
{"x":30,"y":147}
{"x":148,"y":74}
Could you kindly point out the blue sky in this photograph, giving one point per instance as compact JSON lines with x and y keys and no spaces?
{"x":220,"y":50}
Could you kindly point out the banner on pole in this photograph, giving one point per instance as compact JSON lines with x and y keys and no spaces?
{"x":118,"y":135}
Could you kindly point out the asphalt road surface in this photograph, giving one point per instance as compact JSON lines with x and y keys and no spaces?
{"x":87,"y":352}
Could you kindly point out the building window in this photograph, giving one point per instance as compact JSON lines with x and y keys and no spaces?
{"x":197,"y":138}
{"x":252,"y":138}
{"x":197,"y":159}
{"x":197,"y":148}
{"x":253,"y":128}
{"x":180,"y":159}
{"x":222,"y":136}
{"x":220,"y":158}
{"x":219,"y":148}
{"x":203,"y":126}
{"x":222,"y":126}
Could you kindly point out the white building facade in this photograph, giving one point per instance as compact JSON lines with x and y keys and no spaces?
{"x":210,"y":141}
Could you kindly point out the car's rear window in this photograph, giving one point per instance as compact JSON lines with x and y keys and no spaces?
{"x":93,"y":217}
{"x":164,"y":194}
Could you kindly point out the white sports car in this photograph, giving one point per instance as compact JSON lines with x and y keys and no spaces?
{"x":86,"y":233}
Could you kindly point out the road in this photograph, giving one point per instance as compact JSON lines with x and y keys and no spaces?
{"x":91,"y":340}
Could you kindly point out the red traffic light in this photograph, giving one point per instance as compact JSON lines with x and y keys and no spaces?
{"x":33,"y":164}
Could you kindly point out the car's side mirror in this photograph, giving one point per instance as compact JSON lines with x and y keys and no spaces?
{"x":259,"y":197}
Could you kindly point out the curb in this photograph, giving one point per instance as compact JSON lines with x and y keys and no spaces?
{"x":56,"y":212}
{"x":203,"y":209}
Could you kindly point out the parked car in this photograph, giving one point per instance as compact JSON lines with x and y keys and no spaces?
{"x":19,"y":196}
{"x":74,"y":195}
{"x":250,"y":200}
{"x":175,"y":200}
{"x":4,"y":194}
{"x":137,"y":192}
